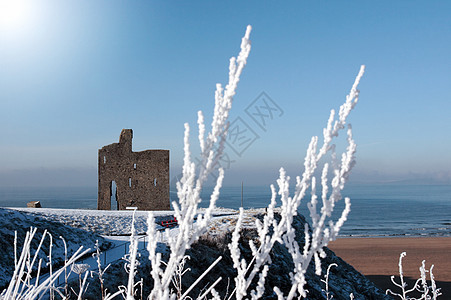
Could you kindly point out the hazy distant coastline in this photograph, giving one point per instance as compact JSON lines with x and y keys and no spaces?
{"x":377,"y":210}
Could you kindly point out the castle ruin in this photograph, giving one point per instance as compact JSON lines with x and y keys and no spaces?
{"x":141,"y":178}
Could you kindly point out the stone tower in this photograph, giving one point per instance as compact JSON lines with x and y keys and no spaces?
{"x":142,"y":178}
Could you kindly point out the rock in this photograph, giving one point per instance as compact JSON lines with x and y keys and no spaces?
{"x":34,"y":204}
{"x":343,"y":279}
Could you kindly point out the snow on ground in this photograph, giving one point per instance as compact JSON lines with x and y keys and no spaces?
{"x":103,"y":222}
{"x":107,"y":222}
{"x":12,"y":221}
{"x":84,"y":227}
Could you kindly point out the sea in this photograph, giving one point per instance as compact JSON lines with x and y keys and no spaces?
{"x":377,"y":210}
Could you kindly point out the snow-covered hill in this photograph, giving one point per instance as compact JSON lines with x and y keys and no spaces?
{"x":12,"y":221}
{"x":83,"y":227}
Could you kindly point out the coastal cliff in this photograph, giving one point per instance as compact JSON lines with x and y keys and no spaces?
{"x":343,"y":279}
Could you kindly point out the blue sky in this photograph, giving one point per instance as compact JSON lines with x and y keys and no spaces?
{"x":74,"y":73}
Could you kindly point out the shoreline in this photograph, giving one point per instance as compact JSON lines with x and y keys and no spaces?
{"x":397,"y":236}
{"x":377,"y":258}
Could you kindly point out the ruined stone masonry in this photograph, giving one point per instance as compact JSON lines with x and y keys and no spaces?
{"x":141,"y":178}
{"x":34,"y":204}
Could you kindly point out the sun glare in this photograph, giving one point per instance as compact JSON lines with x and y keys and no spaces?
{"x":14,"y":14}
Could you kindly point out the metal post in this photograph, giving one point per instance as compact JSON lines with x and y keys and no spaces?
{"x":241,"y":194}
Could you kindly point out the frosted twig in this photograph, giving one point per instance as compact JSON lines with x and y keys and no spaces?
{"x":201,"y":276}
{"x":19,"y":288}
{"x":100,"y":272}
{"x":326,"y":281}
{"x":80,"y":269}
{"x":190,"y":185}
{"x":132,"y":260}
{"x":282,"y":230}
{"x":423,"y":288}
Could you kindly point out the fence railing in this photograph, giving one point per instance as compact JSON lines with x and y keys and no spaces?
{"x":108,"y":256}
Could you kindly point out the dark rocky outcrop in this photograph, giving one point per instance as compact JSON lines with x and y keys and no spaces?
{"x":343,"y":279}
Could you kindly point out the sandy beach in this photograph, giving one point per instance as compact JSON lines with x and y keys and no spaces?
{"x":377,"y":258}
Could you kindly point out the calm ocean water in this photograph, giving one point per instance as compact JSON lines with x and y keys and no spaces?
{"x":376,"y":210}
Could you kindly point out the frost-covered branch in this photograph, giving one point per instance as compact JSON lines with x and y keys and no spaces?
{"x":420,"y":285}
{"x":132,"y":263}
{"x":326,"y":281}
{"x":100,"y":271}
{"x":190,"y":185}
{"x":81,"y":269}
{"x":321,"y":232}
{"x":21,"y":285}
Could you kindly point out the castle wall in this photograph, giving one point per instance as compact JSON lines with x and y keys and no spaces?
{"x":142,"y":178}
